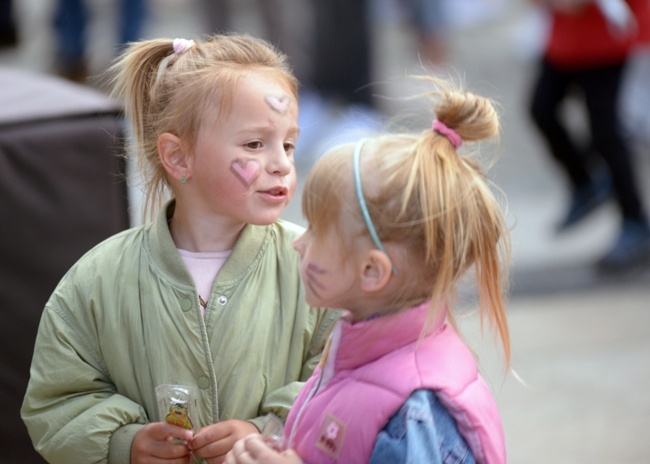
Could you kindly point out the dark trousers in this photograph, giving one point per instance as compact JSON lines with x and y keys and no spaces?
{"x":600,"y":88}
{"x":71,"y":21}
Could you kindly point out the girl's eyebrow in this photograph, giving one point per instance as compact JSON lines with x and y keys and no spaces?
{"x":252,"y":130}
{"x":268,"y":128}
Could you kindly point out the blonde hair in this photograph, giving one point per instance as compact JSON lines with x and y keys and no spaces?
{"x":172,"y":92}
{"x":427,"y":199}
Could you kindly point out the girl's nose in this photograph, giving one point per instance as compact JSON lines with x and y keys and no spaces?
{"x":280,"y":162}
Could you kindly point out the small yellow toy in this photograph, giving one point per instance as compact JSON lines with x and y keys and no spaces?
{"x":178,"y":415}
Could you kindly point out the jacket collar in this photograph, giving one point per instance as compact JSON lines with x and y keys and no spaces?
{"x":163,"y":253}
{"x":356,"y":344}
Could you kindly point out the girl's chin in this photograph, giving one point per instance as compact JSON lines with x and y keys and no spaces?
{"x":266,"y":219}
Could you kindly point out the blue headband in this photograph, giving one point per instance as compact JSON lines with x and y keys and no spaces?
{"x":362,"y":201}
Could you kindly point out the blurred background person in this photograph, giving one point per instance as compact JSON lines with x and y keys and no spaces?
{"x":586,"y":52}
{"x":338,"y":102}
{"x":337,"y":97}
{"x":71,"y":26}
{"x":287,"y":24}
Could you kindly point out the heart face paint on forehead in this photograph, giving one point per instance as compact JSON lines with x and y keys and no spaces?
{"x":246,"y":170}
{"x":279,"y":104}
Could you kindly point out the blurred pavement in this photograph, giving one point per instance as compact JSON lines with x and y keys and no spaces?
{"x":580,"y":340}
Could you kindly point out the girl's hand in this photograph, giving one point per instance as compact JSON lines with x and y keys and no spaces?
{"x":161,"y":442}
{"x":253,"y":449}
{"x":213,"y":442}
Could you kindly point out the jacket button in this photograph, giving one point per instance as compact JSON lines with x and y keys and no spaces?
{"x":222,"y":300}
{"x":186,"y":305}
{"x":203,"y":382}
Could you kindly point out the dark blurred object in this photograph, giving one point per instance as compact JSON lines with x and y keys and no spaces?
{"x":342,"y":51}
{"x":8,"y":29}
{"x":62,"y":191}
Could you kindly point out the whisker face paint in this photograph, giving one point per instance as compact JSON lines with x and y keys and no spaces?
{"x":311,"y":287}
{"x":278,"y":104}
{"x":246,"y":170}
{"x":313,"y":282}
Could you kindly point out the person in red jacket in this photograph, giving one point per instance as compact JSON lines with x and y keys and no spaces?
{"x":586,"y":51}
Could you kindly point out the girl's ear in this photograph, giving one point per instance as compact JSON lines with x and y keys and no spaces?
{"x":172,"y":157}
{"x":377,"y":271}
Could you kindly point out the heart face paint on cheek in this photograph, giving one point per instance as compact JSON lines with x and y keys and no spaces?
{"x":245,"y":170}
{"x":278,"y":104}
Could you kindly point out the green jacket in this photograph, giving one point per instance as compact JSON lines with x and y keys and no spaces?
{"x":126,"y":318}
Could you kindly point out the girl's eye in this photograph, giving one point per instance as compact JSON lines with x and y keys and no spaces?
{"x":254,"y":145}
{"x":289,"y":147}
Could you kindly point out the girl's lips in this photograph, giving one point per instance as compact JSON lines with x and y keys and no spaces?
{"x":275,"y":194}
{"x":276,"y":191}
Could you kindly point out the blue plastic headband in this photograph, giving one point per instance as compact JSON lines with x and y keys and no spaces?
{"x":362,"y":201}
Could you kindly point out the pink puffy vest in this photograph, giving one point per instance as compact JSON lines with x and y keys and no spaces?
{"x":368,"y":371}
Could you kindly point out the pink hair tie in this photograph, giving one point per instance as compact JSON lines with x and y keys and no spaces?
{"x":182,"y":45}
{"x":451,"y":134}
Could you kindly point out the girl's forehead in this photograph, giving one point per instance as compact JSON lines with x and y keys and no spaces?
{"x":250,"y":94}
{"x":269,"y":90}
{"x":265,"y":81}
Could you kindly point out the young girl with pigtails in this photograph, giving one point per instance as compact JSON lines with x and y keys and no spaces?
{"x":205,"y":301}
{"x":395,"y":222}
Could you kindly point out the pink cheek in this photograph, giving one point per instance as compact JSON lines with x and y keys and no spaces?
{"x":292,"y":186}
{"x":290,"y":194}
{"x":230,"y":186}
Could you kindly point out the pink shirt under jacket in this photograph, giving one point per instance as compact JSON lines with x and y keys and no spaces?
{"x":369,"y":370}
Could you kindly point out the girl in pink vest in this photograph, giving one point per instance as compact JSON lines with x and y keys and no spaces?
{"x":395,"y":221}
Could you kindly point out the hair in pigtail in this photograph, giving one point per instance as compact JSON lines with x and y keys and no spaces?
{"x":134,"y":78}
{"x":465,"y":227}
{"x":471,"y":116}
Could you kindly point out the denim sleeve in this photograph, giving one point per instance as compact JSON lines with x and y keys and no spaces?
{"x":422,"y":431}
